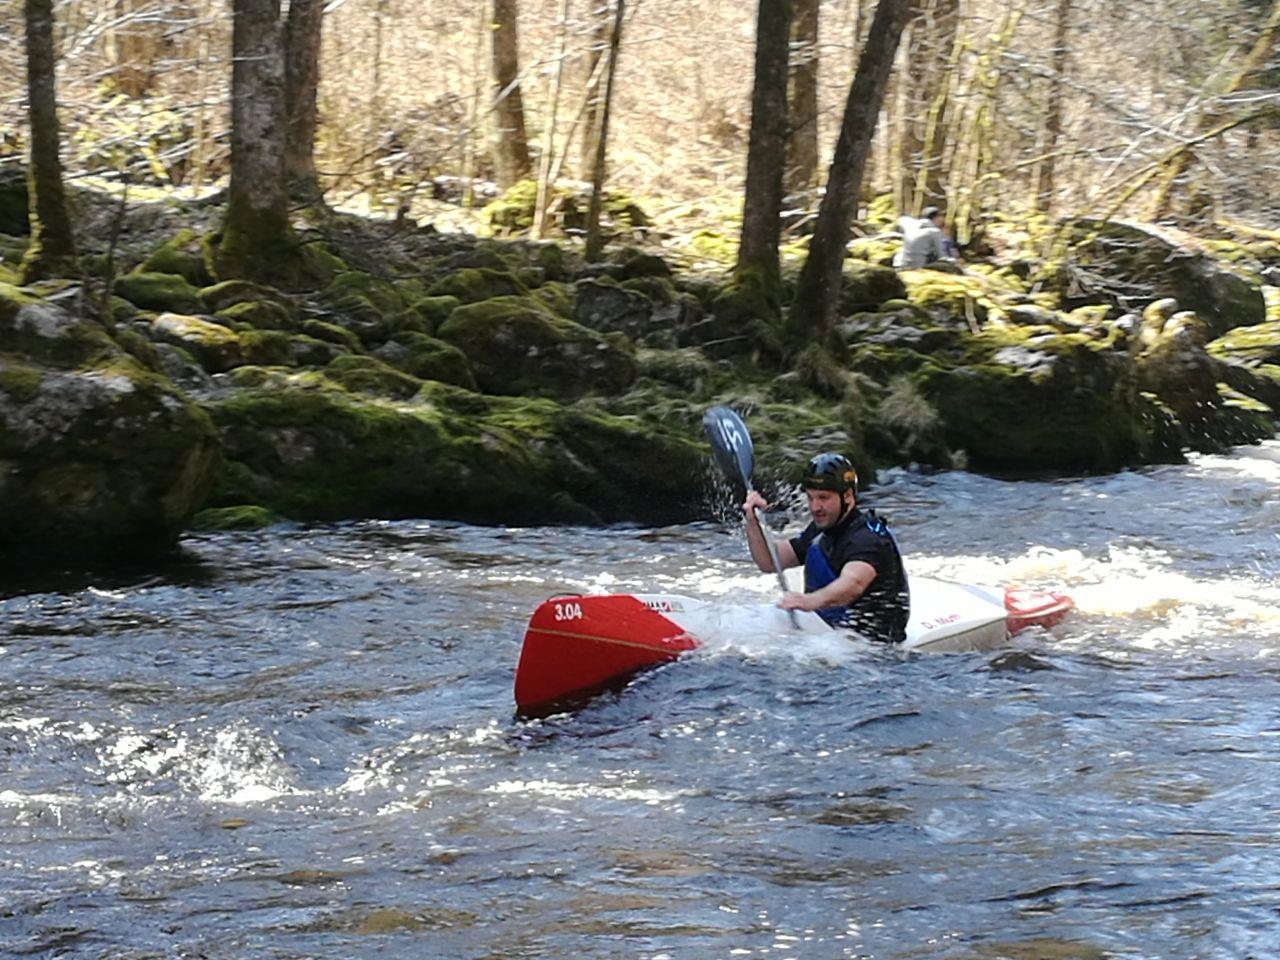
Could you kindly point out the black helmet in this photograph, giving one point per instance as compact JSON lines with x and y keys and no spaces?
{"x":830,"y":471}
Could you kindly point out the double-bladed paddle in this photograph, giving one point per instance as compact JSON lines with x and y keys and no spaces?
{"x":731,"y":443}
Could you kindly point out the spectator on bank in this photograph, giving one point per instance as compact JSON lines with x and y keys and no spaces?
{"x":925,"y":241}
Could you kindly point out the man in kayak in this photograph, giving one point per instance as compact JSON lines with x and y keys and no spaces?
{"x":853,"y":575}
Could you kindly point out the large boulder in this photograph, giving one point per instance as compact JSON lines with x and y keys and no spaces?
{"x":517,"y":345}
{"x":1026,"y":399}
{"x":98,"y":454}
{"x":310,"y":451}
{"x":1130,"y":262}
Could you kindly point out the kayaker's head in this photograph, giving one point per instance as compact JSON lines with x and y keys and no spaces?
{"x":831,"y":484}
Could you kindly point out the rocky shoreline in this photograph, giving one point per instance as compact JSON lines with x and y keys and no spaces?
{"x":498,"y":381}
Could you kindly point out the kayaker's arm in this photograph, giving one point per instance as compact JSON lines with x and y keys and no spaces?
{"x":846,"y":588}
{"x":756,"y":537}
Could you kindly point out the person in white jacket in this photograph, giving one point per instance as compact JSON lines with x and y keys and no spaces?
{"x":924,"y":241}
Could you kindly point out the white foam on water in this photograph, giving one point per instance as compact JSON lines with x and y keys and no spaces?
{"x":558,"y":790}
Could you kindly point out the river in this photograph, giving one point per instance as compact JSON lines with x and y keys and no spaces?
{"x":299,"y":742}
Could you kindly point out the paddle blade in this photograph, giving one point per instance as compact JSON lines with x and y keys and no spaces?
{"x":731,"y":443}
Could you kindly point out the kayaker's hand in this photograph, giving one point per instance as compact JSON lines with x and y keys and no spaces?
{"x":795,"y":601}
{"x":753,"y":503}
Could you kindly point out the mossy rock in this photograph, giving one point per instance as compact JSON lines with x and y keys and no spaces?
{"x":314,"y":453}
{"x":1025,"y":402}
{"x":182,"y":255}
{"x":688,"y":368}
{"x":607,"y":307}
{"x":103,"y":457}
{"x":242,"y":517}
{"x":477,"y":283}
{"x":32,"y":328}
{"x":431,"y":359}
{"x":267,"y":348}
{"x":512,"y":211}
{"x":877,"y":250}
{"x":364,"y":302}
{"x":557,"y":297}
{"x":517,"y":346}
{"x":332,"y":333}
{"x":12,"y":250}
{"x":1171,"y":263}
{"x":947,"y":295}
{"x":865,"y":286}
{"x":160,"y":292}
{"x":305,"y":351}
{"x":433,"y":311}
{"x":215,"y":347}
{"x":638,"y":263}
{"x":370,"y":375}
{"x":1249,"y":346}
{"x":228,"y":293}
{"x":259,"y":315}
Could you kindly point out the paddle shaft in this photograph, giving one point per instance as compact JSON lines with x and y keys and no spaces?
{"x":777,"y":564}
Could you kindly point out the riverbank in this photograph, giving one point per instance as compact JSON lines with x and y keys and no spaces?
{"x":430,"y":374}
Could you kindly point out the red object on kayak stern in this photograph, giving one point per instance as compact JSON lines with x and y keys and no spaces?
{"x":1034,"y":608}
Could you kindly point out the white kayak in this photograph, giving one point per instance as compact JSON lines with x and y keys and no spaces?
{"x":577,"y":646}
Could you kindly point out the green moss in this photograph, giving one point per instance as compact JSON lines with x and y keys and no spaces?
{"x":267,"y":348}
{"x":714,"y":245}
{"x":243,"y":517}
{"x":332,"y":333}
{"x":477,"y":283}
{"x":159,"y":291}
{"x":258,"y":314}
{"x":18,"y":381}
{"x":517,"y":346}
{"x":434,"y":310}
{"x":220,"y":296}
{"x":12,"y":299}
{"x":689,"y":369}
{"x":215,"y":347}
{"x":182,"y":255}
{"x":432,"y":359}
{"x":558,"y":297}
{"x":866,"y":286}
{"x":370,"y":375}
{"x":1253,"y":345}
{"x":512,"y":212}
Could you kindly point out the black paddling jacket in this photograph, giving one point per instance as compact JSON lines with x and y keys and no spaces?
{"x":882,"y":610}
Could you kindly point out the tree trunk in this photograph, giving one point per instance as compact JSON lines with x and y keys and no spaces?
{"x":510,"y":143}
{"x":301,"y":78}
{"x":592,"y":76}
{"x":818,"y":289}
{"x":767,"y":148}
{"x":945,"y":54}
{"x":595,"y":241}
{"x":1045,"y":174}
{"x":52,"y":250}
{"x":137,"y":40}
{"x":545,"y":161}
{"x":931,"y":58}
{"x":256,"y":237}
{"x":802,"y":110}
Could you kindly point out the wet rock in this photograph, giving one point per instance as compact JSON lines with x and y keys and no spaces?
{"x":215,"y":347}
{"x":517,"y":346}
{"x":99,"y":455}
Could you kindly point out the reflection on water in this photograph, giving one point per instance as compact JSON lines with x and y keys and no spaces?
{"x":299,"y":743}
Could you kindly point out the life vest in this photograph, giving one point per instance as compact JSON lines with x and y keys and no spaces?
{"x":818,"y":572}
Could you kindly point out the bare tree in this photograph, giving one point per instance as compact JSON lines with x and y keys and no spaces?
{"x":767,"y":148}
{"x":256,"y":236}
{"x":802,"y":108}
{"x":1046,"y":171}
{"x":510,"y":143}
{"x":301,"y":78}
{"x":818,"y":289}
{"x":595,"y":240}
{"x":52,"y":250}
